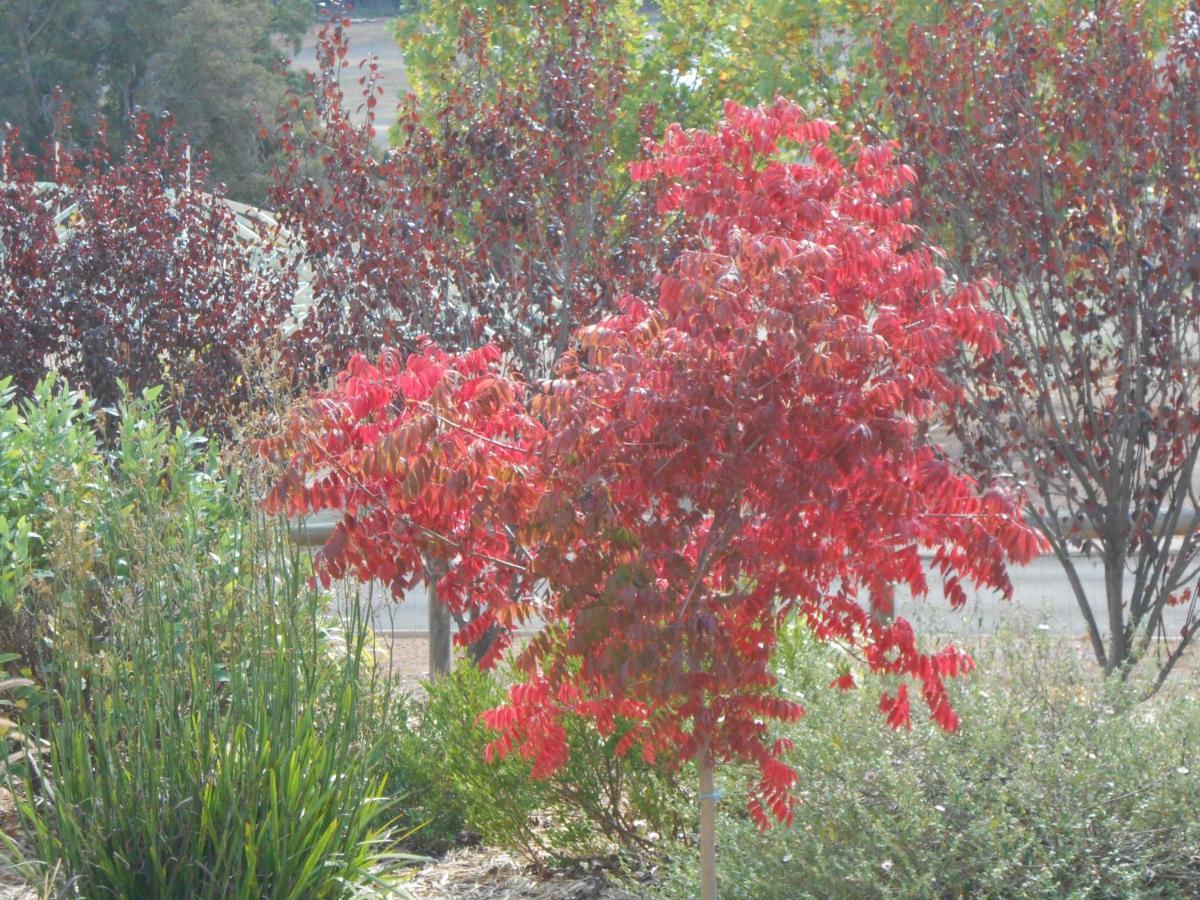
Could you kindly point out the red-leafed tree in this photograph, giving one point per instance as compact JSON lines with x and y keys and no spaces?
{"x":128,"y":270}
{"x":430,"y":460}
{"x":1059,"y":156}
{"x":751,"y":448}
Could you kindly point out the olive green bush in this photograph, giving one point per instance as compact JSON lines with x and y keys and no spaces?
{"x":49,"y":461}
{"x":73,"y":509}
{"x":595,"y":806}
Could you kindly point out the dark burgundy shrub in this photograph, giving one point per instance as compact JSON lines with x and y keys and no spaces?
{"x":133,"y":269}
{"x":1057,"y":154}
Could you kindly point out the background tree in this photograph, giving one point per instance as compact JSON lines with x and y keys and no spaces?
{"x":210,"y":63}
{"x":683,"y":57}
{"x":496,"y":217}
{"x":44,"y":46}
{"x":217,"y":68}
{"x":1059,"y":157}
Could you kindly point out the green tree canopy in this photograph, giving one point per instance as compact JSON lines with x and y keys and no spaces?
{"x":685,"y":58}
{"x":212,"y":63}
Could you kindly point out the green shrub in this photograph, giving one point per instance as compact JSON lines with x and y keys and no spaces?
{"x":597,"y":804}
{"x":73,"y":510}
{"x":49,"y":461}
{"x":206,"y":736}
{"x":1055,"y":786}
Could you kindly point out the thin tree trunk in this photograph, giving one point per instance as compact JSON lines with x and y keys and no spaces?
{"x":708,"y":824}
{"x":439,"y":622}
{"x":1114,"y":585}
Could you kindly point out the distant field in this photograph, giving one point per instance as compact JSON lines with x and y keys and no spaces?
{"x":367,"y":36}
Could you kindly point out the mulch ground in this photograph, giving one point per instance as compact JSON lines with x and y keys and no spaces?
{"x":480,"y":873}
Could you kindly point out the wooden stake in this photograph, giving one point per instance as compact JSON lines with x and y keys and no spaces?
{"x":439,"y":623}
{"x":708,"y":824}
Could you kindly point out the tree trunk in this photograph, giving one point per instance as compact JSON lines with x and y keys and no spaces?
{"x":439,"y":622}
{"x":1114,"y":587}
{"x":708,"y":824}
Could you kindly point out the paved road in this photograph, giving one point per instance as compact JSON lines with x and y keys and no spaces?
{"x":1042,"y":601}
{"x":367,"y":37}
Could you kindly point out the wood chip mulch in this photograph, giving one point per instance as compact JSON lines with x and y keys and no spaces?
{"x":480,"y":873}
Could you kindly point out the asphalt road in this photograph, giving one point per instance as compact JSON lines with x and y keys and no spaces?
{"x":1042,"y":601}
{"x":367,"y":37}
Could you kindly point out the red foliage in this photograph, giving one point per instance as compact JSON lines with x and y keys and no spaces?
{"x":429,"y":459}
{"x":126,"y":269}
{"x":750,"y":449}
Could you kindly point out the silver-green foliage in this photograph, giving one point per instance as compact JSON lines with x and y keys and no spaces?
{"x":1054,"y":787}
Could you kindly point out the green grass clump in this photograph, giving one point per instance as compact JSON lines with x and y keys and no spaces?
{"x":209,"y":730}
